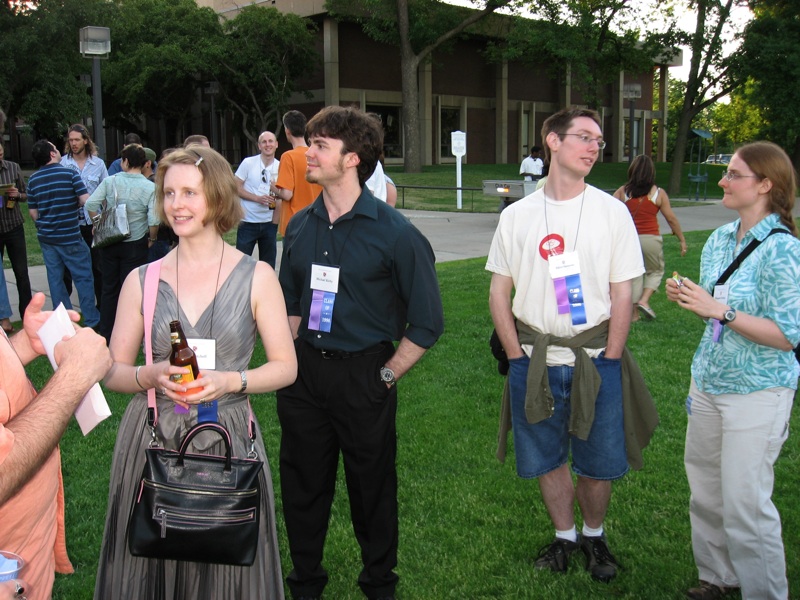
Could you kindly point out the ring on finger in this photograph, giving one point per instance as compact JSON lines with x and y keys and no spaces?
{"x":164,"y":391}
{"x":18,"y":589}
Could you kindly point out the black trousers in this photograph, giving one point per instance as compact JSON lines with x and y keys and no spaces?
{"x":13,"y":243}
{"x":339,"y":406}
{"x":116,"y":261}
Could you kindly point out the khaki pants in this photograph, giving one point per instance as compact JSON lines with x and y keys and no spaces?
{"x":732,"y":443}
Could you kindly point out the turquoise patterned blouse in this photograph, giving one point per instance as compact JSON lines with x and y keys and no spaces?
{"x":766,"y":284}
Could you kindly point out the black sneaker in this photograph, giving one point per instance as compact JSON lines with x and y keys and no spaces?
{"x":599,"y":561}
{"x":555,"y":556}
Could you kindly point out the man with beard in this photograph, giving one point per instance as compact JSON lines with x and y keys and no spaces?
{"x":81,"y":156}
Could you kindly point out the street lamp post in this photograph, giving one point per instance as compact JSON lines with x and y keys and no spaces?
{"x":631,"y":92}
{"x":95,"y":43}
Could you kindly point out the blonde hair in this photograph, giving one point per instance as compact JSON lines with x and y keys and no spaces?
{"x":219,"y":185}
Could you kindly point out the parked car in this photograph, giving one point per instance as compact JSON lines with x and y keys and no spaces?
{"x":718,"y":159}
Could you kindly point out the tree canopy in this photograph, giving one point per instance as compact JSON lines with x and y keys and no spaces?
{"x":769,"y":61}
{"x":264,"y":54}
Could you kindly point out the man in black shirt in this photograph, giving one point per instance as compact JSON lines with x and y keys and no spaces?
{"x":356,"y":276}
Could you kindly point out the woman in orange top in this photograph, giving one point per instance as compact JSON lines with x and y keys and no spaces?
{"x":645,"y":200}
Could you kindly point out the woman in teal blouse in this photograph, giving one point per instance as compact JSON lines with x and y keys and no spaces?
{"x":744,"y":377}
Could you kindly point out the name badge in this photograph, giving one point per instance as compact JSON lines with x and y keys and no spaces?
{"x":563,"y":265}
{"x":325,"y":278}
{"x":721,"y":295}
{"x":565,"y":269}
{"x":206,"y":352}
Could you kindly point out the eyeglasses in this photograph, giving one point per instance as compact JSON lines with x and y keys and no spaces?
{"x":264,"y":174}
{"x":587,"y":139}
{"x":731,"y":175}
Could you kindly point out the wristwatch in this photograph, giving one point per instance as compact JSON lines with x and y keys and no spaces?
{"x":387,"y":376}
{"x":728,"y":316}
{"x":243,"y":376}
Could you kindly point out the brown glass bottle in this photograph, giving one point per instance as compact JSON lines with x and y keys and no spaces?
{"x":182,"y":356}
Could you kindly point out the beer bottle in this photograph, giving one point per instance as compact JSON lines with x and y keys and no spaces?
{"x":182,"y":356}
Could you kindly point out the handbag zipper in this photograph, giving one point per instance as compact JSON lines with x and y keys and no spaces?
{"x":164,"y":516}
{"x":214,"y":492}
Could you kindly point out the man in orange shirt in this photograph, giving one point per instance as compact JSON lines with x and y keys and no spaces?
{"x":31,"y":493}
{"x":294,"y":192}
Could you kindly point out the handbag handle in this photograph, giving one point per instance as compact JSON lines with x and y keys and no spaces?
{"x":207,"y":426}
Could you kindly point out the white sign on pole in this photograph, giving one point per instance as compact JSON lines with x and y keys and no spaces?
{"x":458,"y":143}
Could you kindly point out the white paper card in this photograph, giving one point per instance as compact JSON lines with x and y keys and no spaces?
{"x":93,"y":409}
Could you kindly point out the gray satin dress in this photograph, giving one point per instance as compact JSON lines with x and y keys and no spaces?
{"x":121,"y":576}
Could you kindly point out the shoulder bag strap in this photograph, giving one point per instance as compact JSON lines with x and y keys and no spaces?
{"x":149,"y":293}
{"x":744,"y":254}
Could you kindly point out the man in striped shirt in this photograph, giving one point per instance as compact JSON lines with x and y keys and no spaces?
{"x":54,"y":194}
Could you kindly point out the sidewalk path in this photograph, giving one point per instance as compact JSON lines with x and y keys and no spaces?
{"x":453,"y":235}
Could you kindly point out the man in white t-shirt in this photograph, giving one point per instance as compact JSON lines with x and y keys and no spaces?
{"x":253,"y":178}
{"x":531,"y":167}
{"x":568,"y":253}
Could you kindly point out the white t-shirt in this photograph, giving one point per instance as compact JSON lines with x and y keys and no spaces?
{"x":377,"y":183}
{"x":250,"y":172}
{"x":596,"y":226}
{"x":531,"y":165}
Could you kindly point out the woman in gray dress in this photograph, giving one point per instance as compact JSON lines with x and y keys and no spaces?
{"x":221,"y":298}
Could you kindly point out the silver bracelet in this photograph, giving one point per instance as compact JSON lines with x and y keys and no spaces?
{"x":137,"y":376}
{"x":243,"y":375}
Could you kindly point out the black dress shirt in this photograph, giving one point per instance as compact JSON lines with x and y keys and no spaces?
{"x":387,"y":279}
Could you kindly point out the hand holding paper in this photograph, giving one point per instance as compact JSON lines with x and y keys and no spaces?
{"x":93,"y":408}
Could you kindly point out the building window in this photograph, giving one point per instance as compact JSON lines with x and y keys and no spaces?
{"x":450,"y":122}
{"x":392,"y":132}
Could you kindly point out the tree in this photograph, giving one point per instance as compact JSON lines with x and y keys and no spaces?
{"x":418,"y":27}
{"x":592,"y":40}
{"x":39,"y":73}
{"x":160,"y":58}
{"x":770,"y":61}
{"x":710,"y":76}
{"x":264,"y":53}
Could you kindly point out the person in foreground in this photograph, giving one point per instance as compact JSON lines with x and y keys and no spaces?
{"x":31,"y":425}
{"x":568,"y":252}
{"x":356,"y":275}
{"x":222,"y":298}
{"x":645,"y":200}
{"x":744,"y":377}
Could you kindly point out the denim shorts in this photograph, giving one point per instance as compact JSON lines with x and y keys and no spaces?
{"x":545,"y":446}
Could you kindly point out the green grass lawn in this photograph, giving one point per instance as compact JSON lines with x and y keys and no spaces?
{"x":469,"y":527}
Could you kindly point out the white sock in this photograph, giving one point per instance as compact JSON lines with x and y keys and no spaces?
{"x":589,"y":532}
{"x":570,"y":535}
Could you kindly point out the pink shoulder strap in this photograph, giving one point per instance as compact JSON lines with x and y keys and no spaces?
{"x":149,"y":293}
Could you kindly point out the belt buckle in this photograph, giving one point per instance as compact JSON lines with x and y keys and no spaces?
{"x":329,"y":354}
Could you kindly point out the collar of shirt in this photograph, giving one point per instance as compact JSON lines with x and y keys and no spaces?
{"x":363,"y":207}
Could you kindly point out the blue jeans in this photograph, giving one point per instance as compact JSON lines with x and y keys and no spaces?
{"x":544,"y":446}
{"x":76,"y":258}
{"x":265,"y":234}
{"x":5,"y":303}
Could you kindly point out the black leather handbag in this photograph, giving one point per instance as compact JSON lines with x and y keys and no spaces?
{"x":197,"y":507}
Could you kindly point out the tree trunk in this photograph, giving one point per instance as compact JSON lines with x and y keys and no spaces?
{"x":409,"y":73}
{"x":679,"y":152}
{"x":411,"y":132}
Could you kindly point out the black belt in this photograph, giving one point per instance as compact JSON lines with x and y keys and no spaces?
{"x":343,"y":354}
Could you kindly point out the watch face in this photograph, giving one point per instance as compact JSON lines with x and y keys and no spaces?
{"x":730,"y":315}
{"x":387,"y":375}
